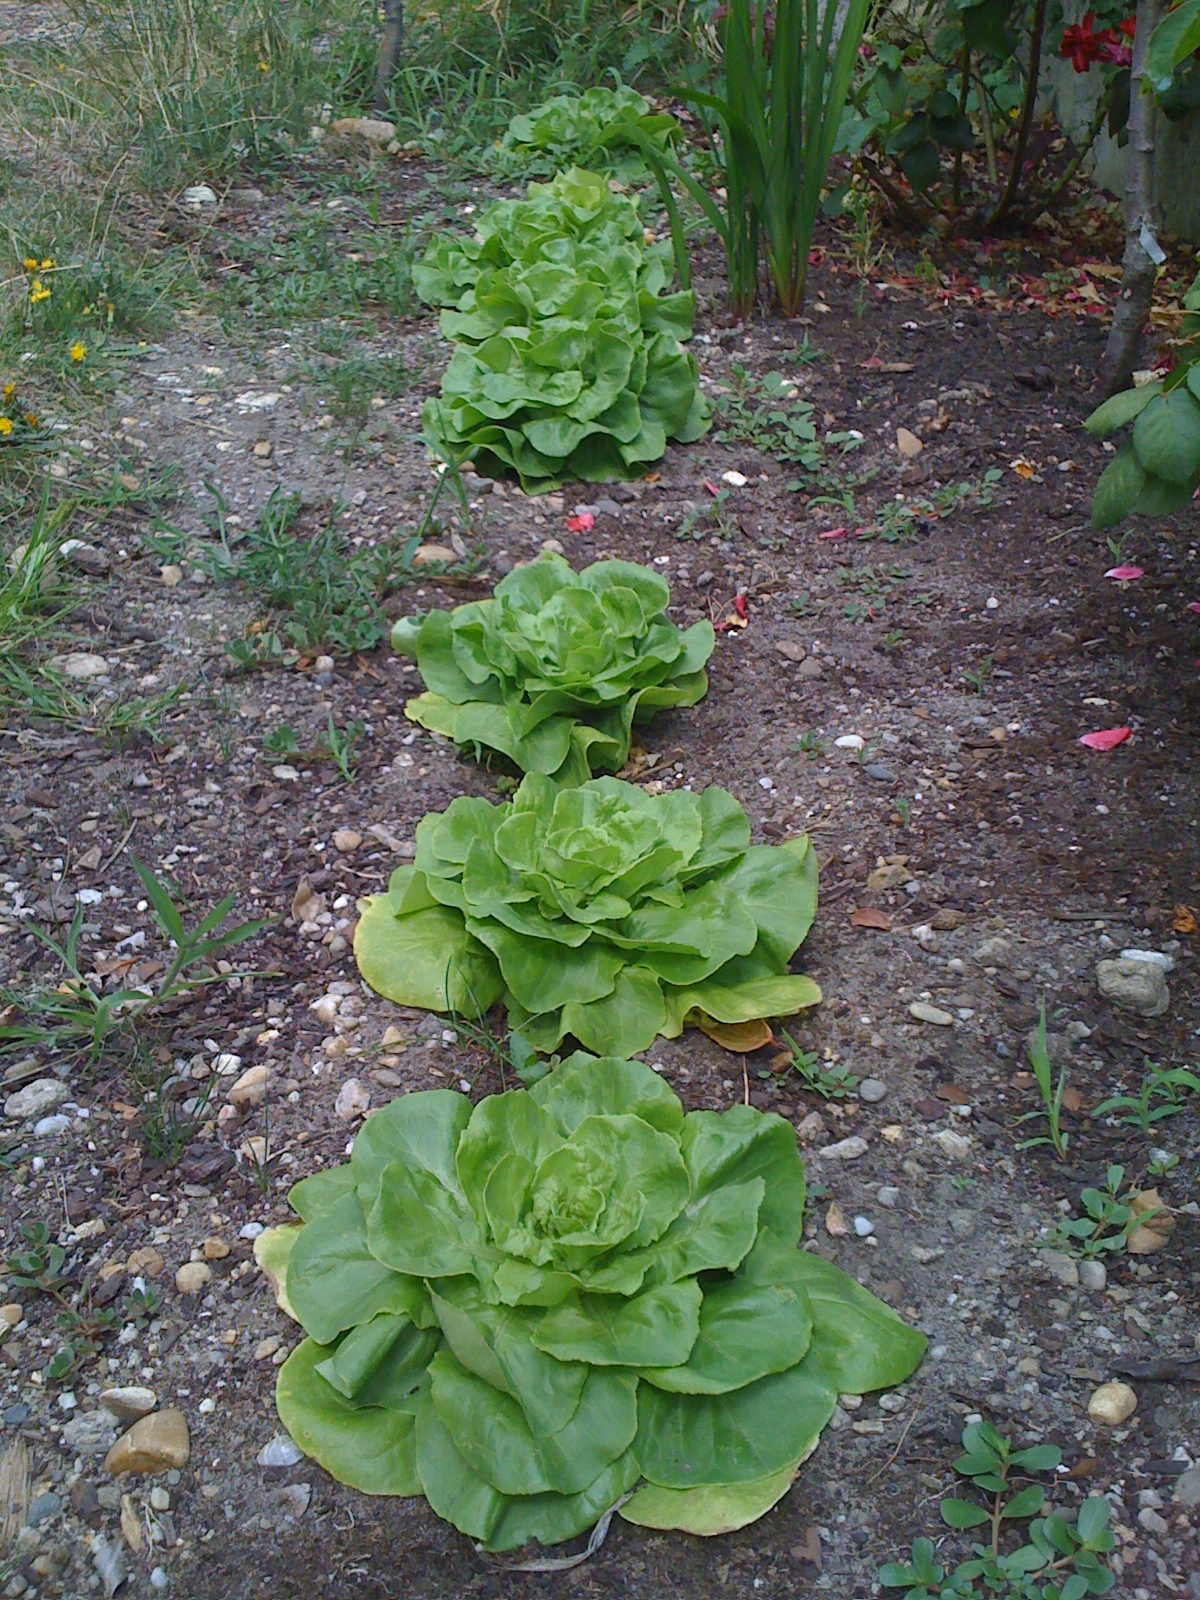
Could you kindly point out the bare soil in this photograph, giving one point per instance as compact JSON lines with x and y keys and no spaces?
{"x":969,"y":655}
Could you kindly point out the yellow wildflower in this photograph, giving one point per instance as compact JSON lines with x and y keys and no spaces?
{"x":37,"y":292}
{"x":77,"y":352}
{"x":5,"y":427}
{"x":48,"y":264}
{"x":8,"y":391}
{"x":264,"y":66}
{"x":29,"y":264}
{"x":31,"y":419}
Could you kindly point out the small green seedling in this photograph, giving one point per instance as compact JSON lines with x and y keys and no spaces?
{"x":1062,"y":1560}
{"x":1051,"y":1093}
{"x":281,"y":742}
{"x":38,"y":1262}
{"x":338,"y":744}
{"x":1105,"y":1226}
{"x":834,"y":1082}
{"x":1163,"y":1094}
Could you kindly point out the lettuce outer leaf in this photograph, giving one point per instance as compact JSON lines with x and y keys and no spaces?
{"x":685,"y":1441}
{"x":372,"y":1448}
{"x":713,"y":1509}
{"x":490,"y":1430}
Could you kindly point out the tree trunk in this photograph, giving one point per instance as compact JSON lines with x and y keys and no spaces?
{"x":389,"y":50}
{"x":1140,"y":266}
{"x":1013,"y":187}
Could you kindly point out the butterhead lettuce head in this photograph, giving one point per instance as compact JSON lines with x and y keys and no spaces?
{"x":600,"y":913}
{"x":568,"y":359}
{"x":527,"y":1309}
{"x":554,"y":670}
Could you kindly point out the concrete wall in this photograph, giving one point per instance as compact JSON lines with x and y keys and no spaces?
{"x":1072,"y":97}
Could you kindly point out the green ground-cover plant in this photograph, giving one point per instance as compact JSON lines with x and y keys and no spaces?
{"x":832,"y":1082}
{"x":600,"y":913}
{"x":321,"y":594}
{"x":1157,"y":469}
{"x":569,"y":358}
{"x":569,"y":130}
{"x":555,"y":669}
{"x":1107,"y":1221}
{"x":527,"y":1309}
{"x":1063,"y":1558}
{"x":767,"y":414}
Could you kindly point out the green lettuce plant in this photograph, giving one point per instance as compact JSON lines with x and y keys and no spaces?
{"x":554,"y":670}
{"x":568,"y":359}
{"x":567,"y":131}
{"x":600,"y":913}
{"x":526,"y":1310}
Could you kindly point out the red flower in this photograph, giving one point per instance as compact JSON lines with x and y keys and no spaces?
{"x":1079,"y":44}
{"x":1082,"y":48}
{"x":1128,"y":27}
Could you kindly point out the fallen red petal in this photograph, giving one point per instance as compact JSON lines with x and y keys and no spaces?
{"x":832,"y":533}
{"x":583,"y":523}
{"x":739,"y":604}
{"x":712,"y":488}
{"x":1106,"y":738}
{"x":1194,"y":605}
{"x":1125,"y":574}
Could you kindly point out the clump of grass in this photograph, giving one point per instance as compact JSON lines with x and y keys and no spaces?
{"x":322,"y":595}
{"x":351,"y":384}
{"x":78,"y":1017}
{"x":307,"y":267}
{"x":203,"y":92}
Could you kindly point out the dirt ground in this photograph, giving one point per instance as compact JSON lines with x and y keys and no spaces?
{"x":968,"y":652}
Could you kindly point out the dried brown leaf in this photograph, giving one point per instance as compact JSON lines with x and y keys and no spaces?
{"x":870,"y":917}
{"x":739,"y":1037}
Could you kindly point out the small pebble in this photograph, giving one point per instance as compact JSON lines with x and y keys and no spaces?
{"x":1093,"y":1275}
{"x":193,"y":1278}
{"x":872,"y":1090}
{"x":923,"y":1011}
{"x":279,"y":1452}
{"x":888,"y":1196}
{"x":864,"y":1227}
{"x":42,"y":1509}
{"x":845,"y":1149}
{"x":1112,"y":1404}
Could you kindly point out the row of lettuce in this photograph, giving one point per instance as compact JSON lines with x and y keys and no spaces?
{"x":574,"y":1298}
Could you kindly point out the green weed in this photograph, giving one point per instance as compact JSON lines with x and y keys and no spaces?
{"x":834,"y":1082}
{"x":1164,"y":1093}
{"x":1051,"y":1093}
{"x":353,"y":384}
{"x":1063,"y":1559}
{"x":310,"y":267}
{"x":338,"y":744}
{"x":77,"y":1016}
{"x":1105,"y":1225}
{"x":41,"y":695}
{"x":166,"y":1126}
